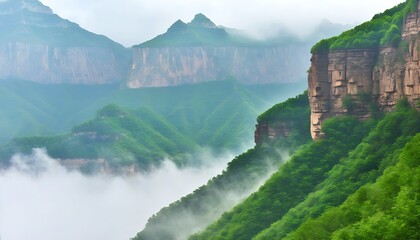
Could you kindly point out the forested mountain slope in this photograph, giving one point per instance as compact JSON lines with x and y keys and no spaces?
{"x":243,"y":174}
{"x":137,"y":127}
{"x":340,"y":186}
{"x":321,"y":175}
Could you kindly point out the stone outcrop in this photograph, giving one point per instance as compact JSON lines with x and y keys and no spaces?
{"x":171,"y":66}
{"x":348,"y":81}
{"x":266,"y":131}
{"x":335,"y":76}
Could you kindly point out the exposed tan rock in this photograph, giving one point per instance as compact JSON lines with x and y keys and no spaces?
{"x":386,"y":74}
{"x":74,"y":65}
{"x":37,"y":45}
{"x":276,"y":130}
{"x":171,"y":66}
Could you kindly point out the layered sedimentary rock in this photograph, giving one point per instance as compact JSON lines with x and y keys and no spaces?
{"x":49,"y":64}
{"x":267,"y":131}
{"x":39,"y":46}
{"x":333,"y":77}
{"x":170,"y":66}
{"x":200,"y":51}
{"x":350,"y":81}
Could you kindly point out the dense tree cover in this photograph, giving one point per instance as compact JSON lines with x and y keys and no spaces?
{"x":291,"y":113}
{"x":116,"y":134}
{"x":207,"y":203}
{"x":143,"y":125}
{"x":386,"y":209}
{"x":383,"y":29}
{"x":291,"y":183}
{"x":364,"y":165}
{"x":31,"y":109}
{"x":291,"y":110}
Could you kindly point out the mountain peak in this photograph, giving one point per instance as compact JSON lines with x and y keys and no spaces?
{"x":177,"y":26}
{"x":13,"y":6}
{"x":200,"y":20}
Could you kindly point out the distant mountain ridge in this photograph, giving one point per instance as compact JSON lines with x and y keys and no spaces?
{"x":37,"y":45}
{"x":201,"y":31}
{"x":12,"y":6}
{"x":199,"y":51}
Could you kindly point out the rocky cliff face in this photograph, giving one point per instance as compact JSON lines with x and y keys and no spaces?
{"x":267,"y":131}
{"x":349,"y":81}
{"x":200,"y":51}
{"x":289,"y":119}
{"x":170,"y":66}
{"x":39,"y":46}
{"x":48,"y":64}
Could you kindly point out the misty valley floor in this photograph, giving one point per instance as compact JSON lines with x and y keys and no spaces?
{"x":42,"y":200}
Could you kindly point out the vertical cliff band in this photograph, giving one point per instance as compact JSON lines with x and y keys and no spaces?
{"x":351,"y":81}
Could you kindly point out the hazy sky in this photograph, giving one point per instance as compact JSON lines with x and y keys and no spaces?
{"x":134,"y":21}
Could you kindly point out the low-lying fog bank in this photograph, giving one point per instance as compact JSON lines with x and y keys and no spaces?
{"x":40,"y":199}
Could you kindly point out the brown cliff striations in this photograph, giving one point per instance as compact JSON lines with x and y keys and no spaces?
{"x":333,"y":77}
{"x":37,"y":45}
{"x":172,"y":66}
{"x":350,"y":81}
{"x":48,"y":64}
{"x":271,"y":131}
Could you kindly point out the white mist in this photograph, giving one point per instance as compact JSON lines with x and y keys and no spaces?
{"x":39,"y":199}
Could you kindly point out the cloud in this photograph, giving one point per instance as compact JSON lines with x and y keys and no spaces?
{"x":39,"y":199}
{"x":132,"y":22}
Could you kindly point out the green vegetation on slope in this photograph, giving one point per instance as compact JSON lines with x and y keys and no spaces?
{"x":31,"y":109}
{"x":386,"y":209}
{"x":383,"y":29}
{"x":320,"y":176}
{"x":290,"y":113}
{"x":162,"y":122}
{"x":207,"y":203}
{"x":286,"y":110}
{"x":363,"y":165}
{"x":197,"y":110}
{"x":122,"y":137}
{"x":291,"y":184}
